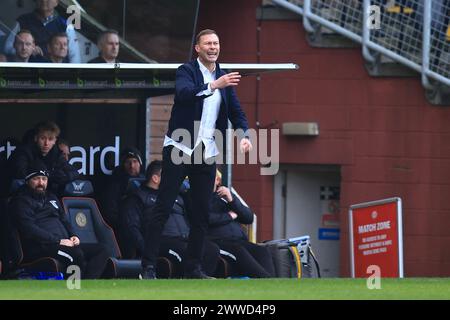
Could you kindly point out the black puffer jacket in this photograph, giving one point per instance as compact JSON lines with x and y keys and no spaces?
{"x":221,"y":225}
{"x":28,"y":155}
{"x":114,"y":192}
{"x":40,"y":220}
{"x":135,"y":211}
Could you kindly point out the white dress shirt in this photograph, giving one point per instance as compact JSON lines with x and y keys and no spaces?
{"x":211,"y":107}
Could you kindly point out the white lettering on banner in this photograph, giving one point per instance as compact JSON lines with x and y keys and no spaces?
{"x":374,"y":227}
{"x":373,"y":245}
{"x":383,"y":225}
{"x":8,"y":148}
{"x":367,"y":228}
{"x":82,"y":159}
{"x":92,"y":151}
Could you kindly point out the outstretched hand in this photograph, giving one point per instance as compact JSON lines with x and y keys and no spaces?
{"x":229,"y":79}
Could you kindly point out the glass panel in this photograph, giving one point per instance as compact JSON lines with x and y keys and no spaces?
{"x":149,"y":30}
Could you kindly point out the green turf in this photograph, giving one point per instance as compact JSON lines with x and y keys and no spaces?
{"x":276,"y":289}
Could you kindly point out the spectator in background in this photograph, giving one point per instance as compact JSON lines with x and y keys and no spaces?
{"x":45,"y":230}
{"x":64,"y":147}
{"x":58,"y":48}
{"x":108,"y":44}
{"x":3,"y":58}
{"x":44,"y":152}
{"x":43,"y":23}
{"x":227,"y":212}
{"x":130,"y":167}
{"x":23,"y":48}
{"x":135,"y":209}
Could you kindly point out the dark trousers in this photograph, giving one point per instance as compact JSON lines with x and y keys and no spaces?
{"x":90,"y":257}
{"x":201,"y":180}
{"x":175,"y":249}
{"x":252,"y":260}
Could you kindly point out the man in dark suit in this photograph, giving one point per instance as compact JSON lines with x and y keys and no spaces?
{"x":204,"y":101}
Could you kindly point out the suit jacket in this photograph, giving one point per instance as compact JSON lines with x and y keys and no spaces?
{"x":188,"y":106}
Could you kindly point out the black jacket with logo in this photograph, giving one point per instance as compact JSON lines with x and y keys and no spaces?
{"x":40,"y":220}
{"x":221,"y":225}
{"x":113,"y":193}
{"x":135,"y":210}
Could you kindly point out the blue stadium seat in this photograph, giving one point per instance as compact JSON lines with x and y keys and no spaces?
{"x":134,"y":183}
{"x":16,"y":184}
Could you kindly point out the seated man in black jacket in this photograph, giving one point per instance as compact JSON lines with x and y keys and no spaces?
{"x":44,"y":152}
{"x":134,"y":215}
{"x":45,"y":231}
{"x":227,"y":213}
{"x":130,"y":166}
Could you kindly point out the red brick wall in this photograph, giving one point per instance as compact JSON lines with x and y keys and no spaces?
{"x":388,"y":140}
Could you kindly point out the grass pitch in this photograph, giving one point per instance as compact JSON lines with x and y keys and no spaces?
{"x":229,"y":289}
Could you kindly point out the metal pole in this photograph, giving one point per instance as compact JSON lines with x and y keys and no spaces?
{"x":366,"y":32}
{"x":426,"y":36}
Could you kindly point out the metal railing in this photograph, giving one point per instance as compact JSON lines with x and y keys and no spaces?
{"x":415,"y":33}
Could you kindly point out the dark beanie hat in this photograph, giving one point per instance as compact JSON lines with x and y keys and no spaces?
{"x":35,"y":171}
{"x":130,"y":152}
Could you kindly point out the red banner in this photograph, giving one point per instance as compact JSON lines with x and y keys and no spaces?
{"x":376,"y":239}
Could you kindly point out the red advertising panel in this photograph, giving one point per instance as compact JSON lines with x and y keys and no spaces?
{"x":376,"y":238}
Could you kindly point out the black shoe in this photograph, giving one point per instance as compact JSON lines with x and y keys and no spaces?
{"x":196,"y":273}
{"x":148,"y":273}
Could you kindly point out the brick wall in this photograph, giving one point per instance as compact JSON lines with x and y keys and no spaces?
{"x":387,"y":139}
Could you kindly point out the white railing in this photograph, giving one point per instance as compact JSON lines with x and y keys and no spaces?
{"x":415,"y":33}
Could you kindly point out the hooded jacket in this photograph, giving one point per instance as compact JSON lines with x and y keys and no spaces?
{"x":40,"y":220}
{"x":60,"y":171}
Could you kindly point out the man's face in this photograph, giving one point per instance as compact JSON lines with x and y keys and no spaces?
{"x":217,"y":183}
{"x":58,"y":48}
{"x":64,"y":150}
{"x":208,"y":48}
{"x":110,"y":46}
{"x":45,"y":141}
{"x":47,"y":5}
{"x":24,"y":46}
{"x":132,"y":166}
{"x":38,"y":184}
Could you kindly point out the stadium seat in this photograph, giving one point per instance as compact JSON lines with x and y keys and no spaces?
{"x":134,"y":183}
{"x":16,"y":265}
{"x":12,"y":256}
{"x":84,"y":216}
{"x":223,"y":269}
{"x":16,"y":184}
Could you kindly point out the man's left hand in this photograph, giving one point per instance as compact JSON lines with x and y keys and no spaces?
{"x":75,"y":241}
{"x":225,"y":193}
{"x":245,"y":145}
